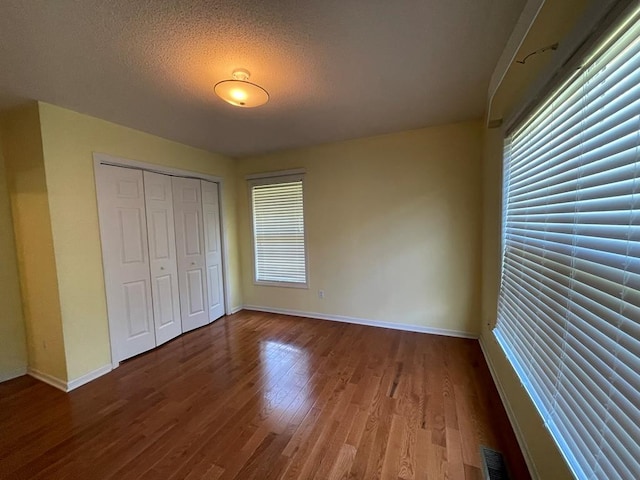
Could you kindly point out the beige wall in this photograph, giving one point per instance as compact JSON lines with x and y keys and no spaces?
{"x":69,"y":140}
{"x":392,"y":224}
{"x":13,"y":346}
{"x":33,"y":238}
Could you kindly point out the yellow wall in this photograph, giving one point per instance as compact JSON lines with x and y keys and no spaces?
{"x":69,"y":140}
{"x":553,"y":22}
{"x":392,"y":225}
{"x":32,"y":227}
{"x":13,"y":346}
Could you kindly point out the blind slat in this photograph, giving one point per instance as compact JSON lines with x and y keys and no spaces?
{"x":569,"y":301}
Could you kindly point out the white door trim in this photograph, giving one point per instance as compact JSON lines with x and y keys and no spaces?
{"x":106,"y":159}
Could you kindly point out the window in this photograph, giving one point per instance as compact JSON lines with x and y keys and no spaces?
{"x":278,"y":230}
{"x":569,"y":304}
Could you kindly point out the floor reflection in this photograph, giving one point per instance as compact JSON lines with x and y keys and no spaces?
{"x":286,"y":383}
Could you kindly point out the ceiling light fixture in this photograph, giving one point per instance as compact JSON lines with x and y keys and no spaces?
{"x":240,"y":92}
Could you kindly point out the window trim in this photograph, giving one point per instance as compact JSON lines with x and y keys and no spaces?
{"x":596,"y":24}
{"x":274,"y":178}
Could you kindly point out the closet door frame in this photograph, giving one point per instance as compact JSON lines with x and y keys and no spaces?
{"x":106,"y":159}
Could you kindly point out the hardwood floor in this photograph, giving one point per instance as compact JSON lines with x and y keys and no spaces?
{"x":263,"y":396}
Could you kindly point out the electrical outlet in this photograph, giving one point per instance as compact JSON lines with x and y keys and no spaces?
{"x":321,"y":294}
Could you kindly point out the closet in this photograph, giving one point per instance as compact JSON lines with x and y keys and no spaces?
{"x":161,"y":255}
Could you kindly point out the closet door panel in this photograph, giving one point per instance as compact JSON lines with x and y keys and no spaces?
{"x":215,"y":301}
{"x":192,"y":233}
{"x":195,"y":282}
{"x":211,"y":216}
{"x":162,"y":255}
{"x":165,"y":311}
{"x":136,"y":301}
{"x":123,"y":231}
{"x":187,"y":201}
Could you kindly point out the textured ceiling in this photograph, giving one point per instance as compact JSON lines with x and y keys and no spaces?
{"x":335,"y":69}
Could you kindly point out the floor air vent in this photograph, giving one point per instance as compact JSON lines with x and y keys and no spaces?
{"x":493,"y":464}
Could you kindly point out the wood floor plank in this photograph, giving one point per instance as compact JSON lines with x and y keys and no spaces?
{"x":366,"y":444}
{"x":390,"y":464}
{"x":264,"y":396}
{"x":406,"y":469}
{"x":472,"y":473}
{"x":336,"y":441}
{"x":376,"y":458}
{"x":423,"y":454}
{"x":455,"y":458}
{"x":438,"y":465}
{"x":341,"y":467}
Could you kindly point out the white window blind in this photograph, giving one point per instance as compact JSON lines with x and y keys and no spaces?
{"x":569,"y":304}
{"x":278,"y":231}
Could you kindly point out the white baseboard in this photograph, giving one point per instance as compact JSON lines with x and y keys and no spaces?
{"x":72,"y":384}
{"x":48,"y":379}
{"x":87,"y":377}
{"x":236,"y":309}
{"x":14,"y":373}
{"x":512,"y":417}
{"x":363,"y":321}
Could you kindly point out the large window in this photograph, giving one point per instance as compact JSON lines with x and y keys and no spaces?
{"x":569,"y":305}
{"x":278,"y":230}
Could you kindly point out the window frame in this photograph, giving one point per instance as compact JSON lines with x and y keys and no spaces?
{"x":274,"y":178}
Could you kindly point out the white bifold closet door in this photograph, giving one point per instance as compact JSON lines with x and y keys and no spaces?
{"x":123,"y":227}
{"x":213,"y":251}
{"x":162,"y":256}
{"x":190,"y":248}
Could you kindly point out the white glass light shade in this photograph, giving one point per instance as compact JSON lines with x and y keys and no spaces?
{"x":240,"y":92}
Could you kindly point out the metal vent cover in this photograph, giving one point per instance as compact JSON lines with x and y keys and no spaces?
{"x":493,"y":465}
